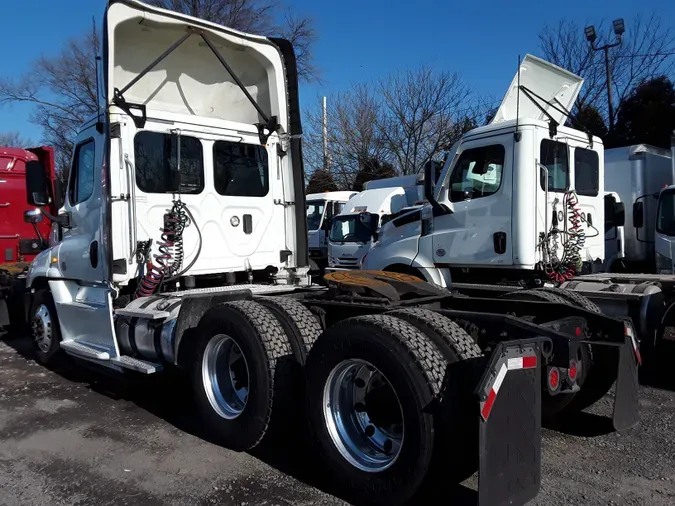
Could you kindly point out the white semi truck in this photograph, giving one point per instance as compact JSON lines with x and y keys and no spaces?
{"x":321,"y":208}
{"x":355,"y":227}
{"x":184,"y":245}
{"x":521,"y":203}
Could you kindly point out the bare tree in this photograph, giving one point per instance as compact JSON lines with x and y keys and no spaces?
{"x":63,"y":88}
{"x":646,"y":51}
{"x":256,"y":16}
{"x":419,"y":115}
{"x":353,"y":134}
{"x":14,"y":140}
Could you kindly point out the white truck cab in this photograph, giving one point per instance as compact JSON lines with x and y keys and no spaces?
{"x":187,"y":179}
{"x":353,"y":230}
{"x":321,"y":208}
{"x":519,"y":194}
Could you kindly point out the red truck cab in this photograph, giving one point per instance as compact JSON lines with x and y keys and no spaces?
{"x":20,"y":242}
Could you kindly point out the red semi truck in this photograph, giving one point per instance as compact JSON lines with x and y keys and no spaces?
{"x":20,"y":241}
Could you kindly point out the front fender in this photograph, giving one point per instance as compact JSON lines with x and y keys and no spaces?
{"x":43,"y":267}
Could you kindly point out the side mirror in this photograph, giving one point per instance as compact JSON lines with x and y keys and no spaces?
{"x":32,"y":216}
{"x":619,"y":214}
{"x":638,"y":215}
{"x":369,"y":220}
{"x":36,"y":184}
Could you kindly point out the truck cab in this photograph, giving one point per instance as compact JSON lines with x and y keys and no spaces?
{"x":20,"y":242}
{"x":664,"y":237}
{"x":187,"y":178}
{"x":521,"y":194}
{"x":354,"y":229}
{"x":321,"y":208}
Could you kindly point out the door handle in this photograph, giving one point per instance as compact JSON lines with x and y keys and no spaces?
{"x":93,"y":254}
{"x":248,"y":224}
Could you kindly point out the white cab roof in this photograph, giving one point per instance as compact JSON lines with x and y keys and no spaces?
{"x":378,"y":201}
{"x":339,"y":196}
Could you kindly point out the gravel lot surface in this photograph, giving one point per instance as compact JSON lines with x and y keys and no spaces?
{"x":78,"y":438}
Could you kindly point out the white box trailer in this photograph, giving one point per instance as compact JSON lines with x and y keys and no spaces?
{"x":638,"y":174}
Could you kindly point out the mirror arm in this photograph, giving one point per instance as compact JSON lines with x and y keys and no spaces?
{"x":59,"y":219}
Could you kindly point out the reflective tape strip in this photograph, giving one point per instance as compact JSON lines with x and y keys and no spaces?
{"x":522,"y":362}
{"x":499,"y":379}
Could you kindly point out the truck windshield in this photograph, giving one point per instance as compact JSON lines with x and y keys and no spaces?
{"x":349,"y":229}
{"x":314,"y":213}
{"x":665,"y":221}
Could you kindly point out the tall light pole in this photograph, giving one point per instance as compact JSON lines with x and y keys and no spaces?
{"x":591,"y":36}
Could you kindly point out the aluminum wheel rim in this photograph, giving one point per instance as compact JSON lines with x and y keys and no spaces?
{"x":41,"y":328}
{"x":367,"y":432}
{"x":225,"y":375}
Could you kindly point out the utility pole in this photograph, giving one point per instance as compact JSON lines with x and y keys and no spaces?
{"x":591,"y":36}
{"x":325,"y":136}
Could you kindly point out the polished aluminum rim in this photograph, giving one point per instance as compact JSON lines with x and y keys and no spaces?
{"x":41,"y":328}
{"x":226,"y":377}
{"x":363,"y":415}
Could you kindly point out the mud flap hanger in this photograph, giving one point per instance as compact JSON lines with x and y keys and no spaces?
{"x":510,"y":423}
{"x":265,"y":129}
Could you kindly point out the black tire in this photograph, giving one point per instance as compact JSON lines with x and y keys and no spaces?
{"x":264,"y":345}
{"x":300,"y":324}
{"x":575,"y":298}
{"x":42,"y":326}
{"x":551,"y":405}
{"x":458,"y":432}
{"x":414,"y":368}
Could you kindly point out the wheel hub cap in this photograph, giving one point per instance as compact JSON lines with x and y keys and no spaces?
{"x":41,"y":328}
{"x":363,"y":415}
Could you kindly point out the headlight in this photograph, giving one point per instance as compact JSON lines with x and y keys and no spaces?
{"x":664,"y":265}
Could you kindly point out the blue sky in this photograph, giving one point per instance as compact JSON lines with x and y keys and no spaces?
{"x":358,"y":40}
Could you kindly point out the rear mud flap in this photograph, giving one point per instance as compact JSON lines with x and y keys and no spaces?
{"x":626,"y":402}
{"x":510,"y":425}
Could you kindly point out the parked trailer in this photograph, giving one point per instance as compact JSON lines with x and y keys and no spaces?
{"x":398,"y":374}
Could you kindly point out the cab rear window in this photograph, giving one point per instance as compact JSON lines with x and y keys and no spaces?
{"x":586,"y":172}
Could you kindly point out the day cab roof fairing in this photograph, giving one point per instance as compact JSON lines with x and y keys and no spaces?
{"x":156,"y":60}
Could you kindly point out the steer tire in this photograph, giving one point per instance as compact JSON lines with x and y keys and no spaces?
{"x":459,"y":421}
{"x":414,"y":368}
{"x":265,"y":347}
{"x":43,"y":301}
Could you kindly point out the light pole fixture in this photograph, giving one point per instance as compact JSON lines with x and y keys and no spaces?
{"x":592,"y":36}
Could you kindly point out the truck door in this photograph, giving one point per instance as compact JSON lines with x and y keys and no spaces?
{"x":478,"y":189}
{"x":80,"y":252}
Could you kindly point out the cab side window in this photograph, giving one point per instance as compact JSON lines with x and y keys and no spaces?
{"x":82,"y":173}
{"x":477,"y":173}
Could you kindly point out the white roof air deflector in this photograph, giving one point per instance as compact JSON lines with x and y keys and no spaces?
{"x":166,"y":61}
{"x":546,"y":92}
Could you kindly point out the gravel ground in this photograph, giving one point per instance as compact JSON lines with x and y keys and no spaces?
{"x":77,"y":438}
